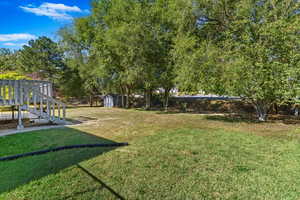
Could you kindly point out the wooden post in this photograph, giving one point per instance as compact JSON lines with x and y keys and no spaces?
{"x":20,"y":93}
{"x":34,"y":100}
{"x":53,"y":111}
{"x":58,"y":109}
{"x":64,"y":112}
{"x":1,"y":95}
{"x":16,"y":93}
{"x":10,"y":97}
{"x":20,"y":125}
{"x":48,"y":109}
{"x":41,"y":107}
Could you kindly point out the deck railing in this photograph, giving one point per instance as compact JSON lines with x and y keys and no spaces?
{"x":16,"y":92}
{"x":33,"y":96}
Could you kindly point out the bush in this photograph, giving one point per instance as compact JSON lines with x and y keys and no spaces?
{"x":12,"y":76}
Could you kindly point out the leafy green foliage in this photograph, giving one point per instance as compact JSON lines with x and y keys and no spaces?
{"x":243,"y":48}
{"x":70,"y":83}
{"x":42,"y":56}
{"x":75,"y":42}
{"x":246,"y":48}
{"x":13,"y":76}
{"x":7,"y":60}
{"x":133,"y":43}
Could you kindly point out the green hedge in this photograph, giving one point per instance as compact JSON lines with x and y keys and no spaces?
{"x":13,"y":76}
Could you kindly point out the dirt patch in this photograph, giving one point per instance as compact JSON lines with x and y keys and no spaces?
{"x":12,"y":124}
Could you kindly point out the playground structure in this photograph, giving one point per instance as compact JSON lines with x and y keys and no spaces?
{"x":33,"y":97}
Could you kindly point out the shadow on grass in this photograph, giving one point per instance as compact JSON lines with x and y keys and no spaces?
{"x":19,"y":172}
{"x":82,"y":106}
{"x":285,"y":119}
{"x":162,"y":111}
{"x":187,"y":112}
{"x":80,"y":119}
{"x":179,"y":111}
{"x":231,"y":118}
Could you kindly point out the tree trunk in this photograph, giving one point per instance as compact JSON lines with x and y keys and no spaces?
{"x":166,"y":99}
{"x":123,"y":101}
{"x":262,"y":110}
{"x":91,"y":100}
{"x":122,"y":96}
{"x":276,"y":108}
{"x":127,"y":97}
{"x":148,"y":98}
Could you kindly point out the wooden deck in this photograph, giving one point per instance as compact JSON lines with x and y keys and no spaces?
{"x":35,"y":97}
{"x":16,"y":92}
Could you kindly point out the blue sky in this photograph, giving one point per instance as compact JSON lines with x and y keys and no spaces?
{"x":22,"y":20}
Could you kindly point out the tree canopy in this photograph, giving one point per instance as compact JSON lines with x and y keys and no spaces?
{"x":245,"y":48}
{"x":42,"y":56}
{"x":7,"y":60}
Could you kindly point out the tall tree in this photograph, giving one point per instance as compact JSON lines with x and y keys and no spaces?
{"x":42,"y":56}
{"x":256,"y":45}
{"x":7,"y":60}
{"x":133,"y":44}
{"x":75,"y":41}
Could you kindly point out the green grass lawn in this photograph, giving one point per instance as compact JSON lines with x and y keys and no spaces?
{"x":22,"y":171}
{"x":171,"y":156}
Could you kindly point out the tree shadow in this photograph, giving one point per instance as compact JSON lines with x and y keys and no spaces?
{"x":103,"y":184}
{"x":231,"y":118}
{"x":190,"y":112}
{"x":174,"y":111}
{"x":19,"y":172}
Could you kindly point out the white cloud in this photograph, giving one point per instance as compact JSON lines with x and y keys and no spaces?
{"x":13,"y":44}
{"x":9,"y":44}
{"x":61,"y":7}
{"x":16,"y":37}
{"x":55,"y":11}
